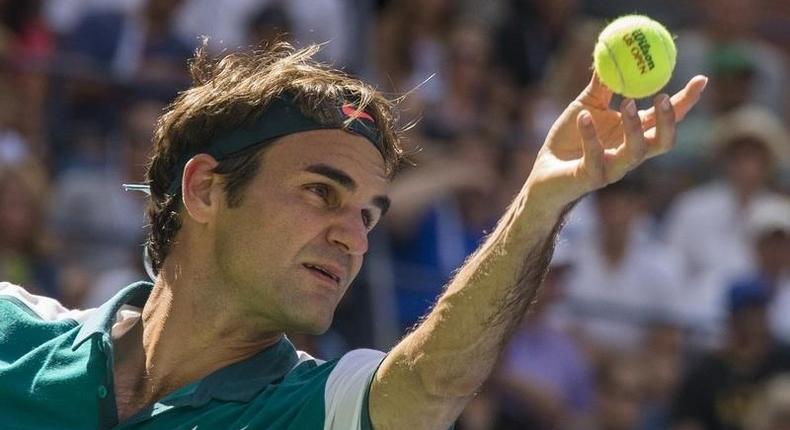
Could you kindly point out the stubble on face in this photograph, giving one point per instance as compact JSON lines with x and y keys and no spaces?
{"x":263,"y":245}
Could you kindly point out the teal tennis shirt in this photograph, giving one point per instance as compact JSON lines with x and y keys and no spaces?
{"x":56,"y":373}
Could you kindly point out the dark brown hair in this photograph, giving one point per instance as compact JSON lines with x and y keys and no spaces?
{"x":231,"y":92}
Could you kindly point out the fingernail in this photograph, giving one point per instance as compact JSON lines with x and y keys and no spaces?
{"x":586,"y":119}
{"x":665,"y":104}
{"x":705,"y":84}
{"x":630,"y":108}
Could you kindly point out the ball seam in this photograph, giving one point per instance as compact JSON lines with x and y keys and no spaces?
{"x":666,"y":53}
{"x":616,"y":66}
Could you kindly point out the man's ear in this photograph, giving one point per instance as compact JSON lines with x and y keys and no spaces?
{"x":200,"y":188}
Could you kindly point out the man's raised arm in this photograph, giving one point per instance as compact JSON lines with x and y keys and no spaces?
{"x":427,"y":379}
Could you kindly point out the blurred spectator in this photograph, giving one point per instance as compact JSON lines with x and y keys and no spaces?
{"x":332,"y":22}
{"x":662,"y":355}
{"x":743,"y":69}
{"x":24,"y":242}
{"x":26,"y":49}
{"x":24,"y":32}
{"x":139,"y":45}
{"x":14,"y":147}
{"x":733,"y":73}
{"x":78,"y":101}
{"x":544,"y":377}
{"x":339,"y":24}
{"x":412,"y":46}
{"x":438,"y":217}
{"x":63,"y":15}
{"x":707,"y":225}
{"x":768,"y":227}
{"x":620,"y":394}
{"x":271,"y":24}
{"x":733,"y":76}
{"x":717,"y":391}
{"x":771,"y":408}
{"x":776,"y":19}
{"x":110,"y":52}
{"x":567,"y":73}
{"x":102,"y":225}
{"x":623,"y":280}
{"x":734,"y":24}
{"x":530,"y":34}
{"x":481,"y":413}
{"x":462,"y":107}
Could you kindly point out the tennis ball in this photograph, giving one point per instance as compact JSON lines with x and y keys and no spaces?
{"x":634,"y":56}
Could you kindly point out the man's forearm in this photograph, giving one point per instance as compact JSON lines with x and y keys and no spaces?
{"x":459,"y":341}
{"x":425,"y":380}
{"x":453,"y":350}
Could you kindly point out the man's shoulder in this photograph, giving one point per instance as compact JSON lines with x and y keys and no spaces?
{"x":28,"y":321}
{"x":701,"y":200}
{"x":315,"y":393}
{"x":32,"y":328}
{"x":343,"y":368}
{"x":17,"y":301}
{"x":346,"y":390}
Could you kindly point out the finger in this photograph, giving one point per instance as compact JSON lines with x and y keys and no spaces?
{"x":596,"y":94}
{"x":665,"y":129}
{"x":591,"y":147}
{"x":682,"y":101}
{"x":634,"y":150}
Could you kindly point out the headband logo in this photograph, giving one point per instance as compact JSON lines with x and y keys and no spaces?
{"x":351,"y":111}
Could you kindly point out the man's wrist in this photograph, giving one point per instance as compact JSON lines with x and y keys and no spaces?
{"x":542,"y":205}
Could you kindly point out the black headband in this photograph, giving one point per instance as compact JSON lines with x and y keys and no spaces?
{"x":282,"y":117}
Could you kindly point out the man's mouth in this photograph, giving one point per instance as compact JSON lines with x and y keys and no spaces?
{"x":323,"y":271}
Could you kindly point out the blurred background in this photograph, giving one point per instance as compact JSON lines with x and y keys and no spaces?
{"x":667,"y":305}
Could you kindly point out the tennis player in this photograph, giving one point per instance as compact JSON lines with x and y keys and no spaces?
{"x":266,"y":178}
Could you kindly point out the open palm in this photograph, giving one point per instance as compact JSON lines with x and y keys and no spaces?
{"x":591,"y":145}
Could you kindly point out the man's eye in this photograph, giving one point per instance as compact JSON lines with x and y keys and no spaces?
{"x":369,"y":220}
{"x":320,"y":190}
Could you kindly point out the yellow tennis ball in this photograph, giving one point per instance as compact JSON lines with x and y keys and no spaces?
{"x":634,"y":56}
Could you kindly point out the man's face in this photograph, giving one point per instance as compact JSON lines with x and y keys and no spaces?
{"x":290,"y":250}
{"x":748,"y":163}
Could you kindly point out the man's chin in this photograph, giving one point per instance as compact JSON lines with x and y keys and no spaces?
{"x":315,"y":327}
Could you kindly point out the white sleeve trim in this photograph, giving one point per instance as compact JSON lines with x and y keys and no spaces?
{"x":46,"y":308}
{"x":344,"y":395}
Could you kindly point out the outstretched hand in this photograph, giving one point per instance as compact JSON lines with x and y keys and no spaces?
{"x":591,"y":145}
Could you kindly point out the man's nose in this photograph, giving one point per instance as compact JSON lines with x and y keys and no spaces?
{"x":350,"y":233}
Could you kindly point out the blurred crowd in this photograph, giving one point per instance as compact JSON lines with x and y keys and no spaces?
{"x":667,"y":303}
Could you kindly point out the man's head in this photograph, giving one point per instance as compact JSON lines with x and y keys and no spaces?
{"x":750,"y":144}
{"x":280,"y":212}
{"x":733,"y":73}
{"x":619,"y":203}
{"x":768,"y":224}
{"x":747,"y":304}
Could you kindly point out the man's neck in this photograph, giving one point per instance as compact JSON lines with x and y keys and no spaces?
{"x":184,"y":335}
{"x":614,"y":242}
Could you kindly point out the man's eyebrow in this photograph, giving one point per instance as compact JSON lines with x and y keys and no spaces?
{"x":334,"y":174}
{"x":342,"y":178}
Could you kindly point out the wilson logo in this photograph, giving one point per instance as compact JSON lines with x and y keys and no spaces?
{"x":640,"y":50}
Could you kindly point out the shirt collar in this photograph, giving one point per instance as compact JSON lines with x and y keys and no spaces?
{"x":102,"y":318}
{"x":239,"y":381}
